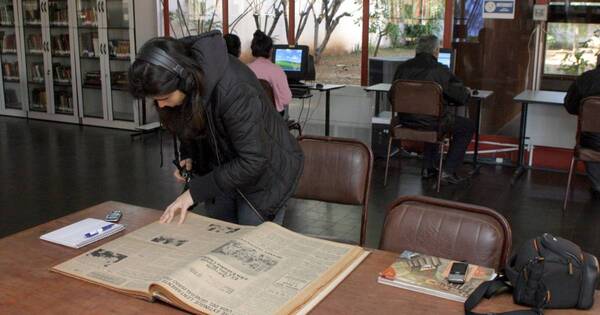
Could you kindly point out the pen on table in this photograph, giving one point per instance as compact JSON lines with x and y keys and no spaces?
{"x":98,"y":231}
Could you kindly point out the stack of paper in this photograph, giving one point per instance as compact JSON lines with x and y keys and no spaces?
{"x":82,"y":233}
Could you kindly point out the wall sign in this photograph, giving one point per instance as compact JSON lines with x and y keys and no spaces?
{"x":499,"y":9}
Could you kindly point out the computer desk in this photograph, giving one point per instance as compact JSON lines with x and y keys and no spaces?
{"x":480,"y":96}
{"x":379,"y":89}
{"x":327,"y":88}
{"x":526,"y":97}
{"x":27,"y":286}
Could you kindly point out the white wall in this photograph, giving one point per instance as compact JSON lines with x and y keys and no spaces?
{"x":551,"y":125}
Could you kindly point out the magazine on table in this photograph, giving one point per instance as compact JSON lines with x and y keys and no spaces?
{"x":429,"y":274}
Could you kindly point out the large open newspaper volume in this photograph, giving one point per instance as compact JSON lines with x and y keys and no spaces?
{"x":214,"y":267}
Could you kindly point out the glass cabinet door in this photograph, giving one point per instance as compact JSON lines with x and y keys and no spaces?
{"x":60,"y":58}
{"x":118,"y":31}
{"x":8,"y":56}
{"x":89,"y":58}
{"x":34,"y":58}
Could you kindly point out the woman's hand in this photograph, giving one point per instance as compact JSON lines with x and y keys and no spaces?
{"x":187,"y":163}
{"x":181,"y":204}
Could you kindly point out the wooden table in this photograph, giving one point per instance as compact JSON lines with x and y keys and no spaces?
{"x":27,"y":286}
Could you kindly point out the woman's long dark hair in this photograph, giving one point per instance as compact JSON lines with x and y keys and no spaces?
{"x":148,"y":80}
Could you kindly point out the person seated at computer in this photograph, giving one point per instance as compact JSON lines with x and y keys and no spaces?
{"x":587,"y":84}
{"x":425,"y":67}
{"x":262,"y":47}
{"x":234,"y":46}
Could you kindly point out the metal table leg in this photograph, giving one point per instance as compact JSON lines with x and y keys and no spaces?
{"x":520,"y":167}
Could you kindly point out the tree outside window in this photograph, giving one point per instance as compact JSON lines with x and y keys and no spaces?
{"x":193,"y":17}
{"x":571,"y":48}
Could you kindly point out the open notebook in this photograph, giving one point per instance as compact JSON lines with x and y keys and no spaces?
{"x":82,"y":233}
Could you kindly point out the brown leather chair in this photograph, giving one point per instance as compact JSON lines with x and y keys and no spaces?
{"x":292,"y":124}
{"x":447,"y":229}
{"x":588,"y":121}
{"x":416,"y":97}
{"x":336,"y":170}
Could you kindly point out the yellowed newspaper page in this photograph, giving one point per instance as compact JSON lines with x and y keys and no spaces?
{"x":130,"y":263}
{"x":269,"y":270}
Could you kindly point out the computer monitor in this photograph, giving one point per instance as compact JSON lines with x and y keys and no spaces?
{"x":446,"y":57}
{"x":293,"y":60}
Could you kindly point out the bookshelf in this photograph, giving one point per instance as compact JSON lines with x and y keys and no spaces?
{"x":67,"y":60}
{"x":11,"y":85}
{"x":108,"y":34}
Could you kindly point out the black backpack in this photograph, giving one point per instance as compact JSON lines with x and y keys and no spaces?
{"x":546,"y":272}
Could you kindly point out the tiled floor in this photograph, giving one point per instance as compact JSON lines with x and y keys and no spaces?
{"x":48,"y":170}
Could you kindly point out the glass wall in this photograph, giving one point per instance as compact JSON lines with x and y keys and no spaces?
{"x":394,"y":27}
{"x":571,"y":48}
{"x":247,"y":16}
{"x":192,"y":17}
{"x":332,"y":30}
{"x":572,"y":37}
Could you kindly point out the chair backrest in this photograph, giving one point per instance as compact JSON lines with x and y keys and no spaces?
{"x":336,"y":170}
{"x":268,"y":89}
{"x":589,"y":114}
{"x":447,"y":229}
{"x":417,"y":97}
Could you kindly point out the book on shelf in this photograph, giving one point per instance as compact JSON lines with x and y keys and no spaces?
{"x":60,"y":44}
{"x":63,"y":101}
{"x":62,"y":73}
{"x":214,"y":267}
{"x":93,"y":78}
{"x":35,"y":43}
{"x":7,"y":16}
{"x":58,"y":13}
{"x":118,"y":48}
{"x":9,"y":44}
{"x":429,"y":275}
{"x":89,"y":44}
{"x":87,"y":17}
{"x":10,"y":70}
{"x":37,"y":71}
{"x":31,"y":12}
{"x":38,"y":98}
{"x":119,"y":78}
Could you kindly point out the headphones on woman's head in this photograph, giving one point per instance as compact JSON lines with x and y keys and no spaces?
{"x":160,"y":58}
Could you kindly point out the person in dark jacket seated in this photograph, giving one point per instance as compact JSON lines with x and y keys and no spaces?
{"x":425,"y":67}
{"x":588,"y":84}
{"x":245,"y":163}
{"x":234,"y":46}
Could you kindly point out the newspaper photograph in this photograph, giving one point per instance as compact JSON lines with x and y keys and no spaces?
{"x":268,"y":270}
{"x":132,"y":262}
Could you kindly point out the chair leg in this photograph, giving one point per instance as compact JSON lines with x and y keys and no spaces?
{"x":439,"y":180}
{"x":571,"y":169}
{"x":387,"y":162}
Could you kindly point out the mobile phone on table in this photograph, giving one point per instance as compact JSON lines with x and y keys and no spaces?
{"x":114,"y":216}
{"x":458,"y":272}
